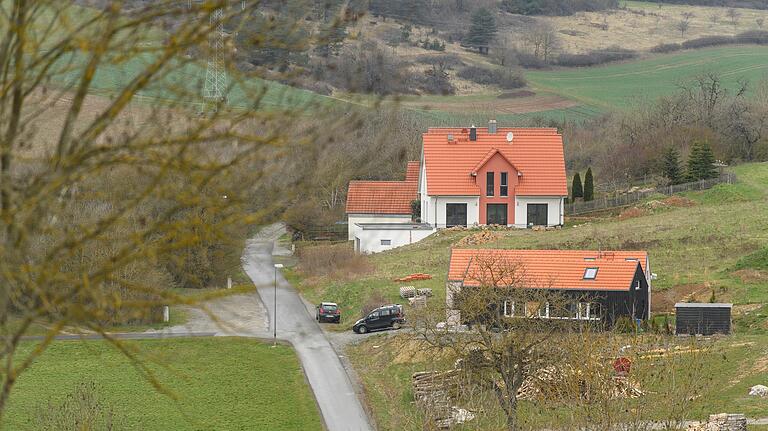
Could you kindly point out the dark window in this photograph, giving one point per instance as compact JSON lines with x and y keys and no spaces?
{"x":503,"y":186}
{"x":489,"y":184}
{"x":537,"y":214}
{"x":455,"y":215}
{"x":386,"y":242}
{"x":496,"y":214}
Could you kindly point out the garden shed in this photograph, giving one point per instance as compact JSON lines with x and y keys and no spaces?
{"x":702,"y":318}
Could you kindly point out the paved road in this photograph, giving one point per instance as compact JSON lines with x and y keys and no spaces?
{"x":334,"y":391}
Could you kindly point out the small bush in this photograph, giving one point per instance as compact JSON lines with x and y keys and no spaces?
{"x":374,"y":301}
{"x":530,"y":61}
{"x":505,"y":79}
{"x":666,"y":47}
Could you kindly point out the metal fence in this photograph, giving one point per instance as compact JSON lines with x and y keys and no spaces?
{"x":620,"y":200}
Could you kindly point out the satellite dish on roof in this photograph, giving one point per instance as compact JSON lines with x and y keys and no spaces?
{"x":510,"y":136}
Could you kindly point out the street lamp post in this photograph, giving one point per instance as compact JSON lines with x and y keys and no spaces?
{"x":274,"y":309}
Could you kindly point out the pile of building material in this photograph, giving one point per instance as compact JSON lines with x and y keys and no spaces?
{"x":722,"y":422}
{"x":415,"y":277}
{"x":418,"y":301}
{"x":412,"y":292}
{"x":759,"y":391}
{"x":482,"y":237}
{"x":549,"y":382}
{"x":434,"y":391}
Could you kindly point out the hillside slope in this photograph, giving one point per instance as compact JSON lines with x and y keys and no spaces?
{"x":710,"y":243}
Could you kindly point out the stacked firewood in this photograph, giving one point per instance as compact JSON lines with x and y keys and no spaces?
{"x":433,"y":393}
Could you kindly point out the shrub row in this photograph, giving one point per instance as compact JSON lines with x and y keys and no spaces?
{"x":505,"y":79}
{"x":756,"y":37}
{"x":595,"y":57}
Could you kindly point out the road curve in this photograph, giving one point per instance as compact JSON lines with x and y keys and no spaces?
{"x":333,"y":389}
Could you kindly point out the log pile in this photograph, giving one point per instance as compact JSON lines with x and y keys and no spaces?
{"x":433,"y":391}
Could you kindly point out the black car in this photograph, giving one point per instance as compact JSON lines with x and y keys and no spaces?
{"x":388,"y":316}
{"x":328,"y":312}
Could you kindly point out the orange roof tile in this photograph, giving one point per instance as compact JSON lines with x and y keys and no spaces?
{"x":555,"y":269}
{"x":412,"y":172}
{"x":536,"y":152}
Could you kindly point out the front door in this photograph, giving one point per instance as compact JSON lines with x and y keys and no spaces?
{"x":455,"y":215}
{"x":537,"y":214}
{"x":496,"y":214}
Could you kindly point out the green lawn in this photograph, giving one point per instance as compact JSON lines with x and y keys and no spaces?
{"x":220,"y":383}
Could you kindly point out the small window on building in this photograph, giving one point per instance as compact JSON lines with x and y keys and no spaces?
{"x":637,"y":284}
{"x":489,"y":184}
{"x":386,"y":242}
{"x":544,"y":310}
{"x":509,"y":308}
{"x":503,"y":186}
{"x":590,"y":273}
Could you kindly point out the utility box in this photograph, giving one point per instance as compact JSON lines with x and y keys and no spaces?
{"x":693,"y":318}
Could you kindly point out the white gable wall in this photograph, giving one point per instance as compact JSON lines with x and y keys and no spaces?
{"x":353,"y":219}
{"x":370,"y":240}
{"x":555,"y":209}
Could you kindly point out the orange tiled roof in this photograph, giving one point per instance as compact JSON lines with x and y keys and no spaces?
{"x":555,"y":269}
{"x":536,"y":152}
{"x":384,"y":197}
{"x":412,"y":172}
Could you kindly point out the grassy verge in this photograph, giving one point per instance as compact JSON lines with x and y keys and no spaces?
{"x":219,"y":383}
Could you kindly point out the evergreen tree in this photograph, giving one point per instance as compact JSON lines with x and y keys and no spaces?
{"x":589,"y":186}
{"x":576,"y":190}
{"x":483,"y":29}
{"x":671,"y":166}
{"x":700,"y":162}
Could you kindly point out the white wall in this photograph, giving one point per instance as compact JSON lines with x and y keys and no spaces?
{"x":436,"y":209}
{"x":370,"y":239}
{"x":353,"y":219}
{"x":554,"y":210}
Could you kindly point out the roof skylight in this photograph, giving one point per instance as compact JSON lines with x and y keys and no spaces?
{"x":590,"y":273}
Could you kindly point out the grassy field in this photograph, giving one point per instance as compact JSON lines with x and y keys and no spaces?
{"x":220,"y":383}
{"x":695,"y":250}
{"x":621,"y":85}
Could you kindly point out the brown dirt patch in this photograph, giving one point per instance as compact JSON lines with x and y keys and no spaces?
{"x":665,"y":300}
{"x":519,"y":105}
{"x":516,"y":94}
{"x":752,"y":276}
{"x":479,"y":238}
{"x":679,"y":201}
{"x":633,"y":213}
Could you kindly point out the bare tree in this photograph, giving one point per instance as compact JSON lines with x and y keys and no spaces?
{"x":541,"y":41}
{"x":682,"y":26}
{"x":734,"y":15}
{"x":97,"y":202}
{"x":512,"y":325}
{"x":714,"y":17}
{"x":760,"y":21}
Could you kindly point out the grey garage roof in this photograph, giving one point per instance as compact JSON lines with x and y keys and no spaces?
{"x":703,"y":305}
{"x":395,"y":226}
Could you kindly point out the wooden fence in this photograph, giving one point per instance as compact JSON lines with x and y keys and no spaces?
{"x":620,"y":200}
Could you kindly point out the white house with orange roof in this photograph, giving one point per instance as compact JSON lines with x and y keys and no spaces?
{"x":503,"y":176}
{"x":466,"y":177}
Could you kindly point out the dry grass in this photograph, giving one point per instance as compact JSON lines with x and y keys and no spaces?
{"x":339,"y":261}
{"x":644,"y":25}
